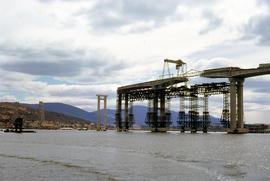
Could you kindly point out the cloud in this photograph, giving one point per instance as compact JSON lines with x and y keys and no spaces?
{"x":8,"y":98}
{"x":134,"y":16}
{"x":112,"y":15}
{"x":58,"y":60}
{"x":65,"y":68}
{"x":259,"y":28}
{"x":213,"y":22}
{"x":40,"y":61}
{"x":258,"y":85}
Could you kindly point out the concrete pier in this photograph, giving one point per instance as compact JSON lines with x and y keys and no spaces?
{"x":233,"y":104}
{"x":240,"y":104}
{"x":99,"y":98}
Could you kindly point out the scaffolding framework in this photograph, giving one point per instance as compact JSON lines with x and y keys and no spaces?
{"x":225,"y":117}
{"x":158,"y":117}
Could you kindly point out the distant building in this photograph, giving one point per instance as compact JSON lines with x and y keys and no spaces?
{"x":258,"y":128}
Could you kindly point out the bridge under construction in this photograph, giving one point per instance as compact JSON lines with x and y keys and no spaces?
{"x":193,"y":113}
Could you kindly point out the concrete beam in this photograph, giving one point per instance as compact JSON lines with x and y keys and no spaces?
{"x":225,"y":72}
{"x":155,"y":83}
{"x":235,"y":72}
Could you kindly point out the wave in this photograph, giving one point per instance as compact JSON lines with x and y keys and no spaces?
{"x":64,"y":164}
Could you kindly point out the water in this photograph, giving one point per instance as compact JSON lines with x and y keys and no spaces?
{"x":91,"y":155}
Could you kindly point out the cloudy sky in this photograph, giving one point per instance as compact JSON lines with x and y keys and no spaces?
{"x":70,"y":50}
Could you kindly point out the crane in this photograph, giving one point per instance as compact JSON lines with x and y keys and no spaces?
{"x":181,"y":69}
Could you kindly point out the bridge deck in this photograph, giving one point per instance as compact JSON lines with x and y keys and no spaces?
{"x":155,"y":83}
{"x":236,"y":72}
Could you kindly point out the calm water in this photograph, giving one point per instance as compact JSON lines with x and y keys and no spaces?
{"x":91,"y":155}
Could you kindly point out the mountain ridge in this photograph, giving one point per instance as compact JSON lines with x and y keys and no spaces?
{"x":139,"y":113}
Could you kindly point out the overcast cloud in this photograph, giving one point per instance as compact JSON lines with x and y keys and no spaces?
{"x":70,"y":50}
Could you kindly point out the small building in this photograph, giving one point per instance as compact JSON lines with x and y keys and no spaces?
{"x":258,"y":128}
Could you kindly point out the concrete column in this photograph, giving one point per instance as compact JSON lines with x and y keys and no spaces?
{"x":98,"y":113}
{"x":105,"y":113}
{"x":126,"y":113}
{"x":240,"y":104}
{"x":233,"y":104}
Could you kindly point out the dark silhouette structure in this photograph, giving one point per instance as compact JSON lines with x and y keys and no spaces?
{"x":18,"y":125}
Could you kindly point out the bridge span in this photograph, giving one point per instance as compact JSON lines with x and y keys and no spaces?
{"x":192,"y":99}
{"x":237,"y":77}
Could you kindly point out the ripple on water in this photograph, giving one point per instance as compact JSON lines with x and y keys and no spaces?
{"x":234,"y":170}
{"x":77,"y":168}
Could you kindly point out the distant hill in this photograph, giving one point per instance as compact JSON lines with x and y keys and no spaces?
{"x":65,"y":109}
{"x":54,"y":120}
{"x":139,"y":113}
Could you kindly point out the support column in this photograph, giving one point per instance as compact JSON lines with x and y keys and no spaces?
{"x":240,"y":104}
{"x":105,"y":114}
{"x":182,"y":115}
{"x":206,"y":121}
{"x":104,"y":98}
{"x":131,"y":115}
{"x":98,"y":113}
{"x":233,"y":105}
{"x":126,"y":113}
{"x":155,"y":113}
{"x":118,"y":115}
{"x":225,"y":118}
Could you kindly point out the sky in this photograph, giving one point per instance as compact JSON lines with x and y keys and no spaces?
{"x":70,"y":50}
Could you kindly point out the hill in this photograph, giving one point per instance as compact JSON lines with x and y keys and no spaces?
{"x":139,"y":113}
{"x":65,"y":109}
{"x":54,"y":120}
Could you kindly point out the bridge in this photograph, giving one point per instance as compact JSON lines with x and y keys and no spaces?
{"x":237,"y":77}
{"x":159,"y":92}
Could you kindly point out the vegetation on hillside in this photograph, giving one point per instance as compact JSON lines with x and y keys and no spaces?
{"x":9,"y":112}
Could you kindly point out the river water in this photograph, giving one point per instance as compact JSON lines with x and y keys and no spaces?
{"x":91,"y":155}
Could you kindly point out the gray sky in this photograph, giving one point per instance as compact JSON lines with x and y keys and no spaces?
{"x":70,"y":50}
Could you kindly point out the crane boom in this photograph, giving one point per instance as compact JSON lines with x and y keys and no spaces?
{"x":178,"y":63}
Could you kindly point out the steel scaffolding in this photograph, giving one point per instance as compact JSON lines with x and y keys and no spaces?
{"x":158,"y":116}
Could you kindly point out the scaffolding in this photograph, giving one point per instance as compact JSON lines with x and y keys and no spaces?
{"x":206,"y":117}
{"x":225,"y":117}
{"x":158,"y":116}
{"x":193,"y":100}
{"x":131,"y":115}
